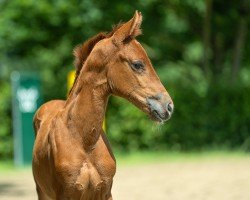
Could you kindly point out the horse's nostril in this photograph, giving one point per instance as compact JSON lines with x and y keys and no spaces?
{"x":157,"y":97}
{"x":170,"y":107}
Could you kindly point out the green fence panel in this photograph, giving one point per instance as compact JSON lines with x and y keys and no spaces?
{"x":26,"y":98}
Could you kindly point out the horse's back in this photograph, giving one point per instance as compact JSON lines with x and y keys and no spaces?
{"x":46,"y":112}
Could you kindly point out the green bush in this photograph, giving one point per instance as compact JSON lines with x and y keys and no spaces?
{"x":5,"y":121}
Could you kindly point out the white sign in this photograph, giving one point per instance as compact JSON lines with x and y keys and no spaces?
{"x":27,"y":98}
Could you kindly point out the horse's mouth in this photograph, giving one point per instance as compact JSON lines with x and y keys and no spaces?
{"x":155,"y":116}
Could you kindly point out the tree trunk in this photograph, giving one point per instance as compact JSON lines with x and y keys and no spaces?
{"x":238,"y":48}
{"x":207,"y":36}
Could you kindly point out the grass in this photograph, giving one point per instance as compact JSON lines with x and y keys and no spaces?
{"x":169,"y":156}
{"x":137,"y":158}
{"x":7,"y":167}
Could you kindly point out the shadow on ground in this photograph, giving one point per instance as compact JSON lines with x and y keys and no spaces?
{"x":8,"y":188}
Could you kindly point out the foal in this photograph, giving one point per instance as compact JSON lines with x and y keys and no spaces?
{"x":72,"y":158}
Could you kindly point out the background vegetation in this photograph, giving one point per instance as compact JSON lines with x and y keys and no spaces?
{"x":199,"y":48}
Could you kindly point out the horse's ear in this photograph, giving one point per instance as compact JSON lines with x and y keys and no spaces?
{"x":129,"y":30}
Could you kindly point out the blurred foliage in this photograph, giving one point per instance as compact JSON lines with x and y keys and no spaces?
{"x":198,"y":47}
{"x":5,"y":139}
{"x":206,"y":117}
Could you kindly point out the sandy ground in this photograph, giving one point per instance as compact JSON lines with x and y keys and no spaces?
{"x":190,"y":180}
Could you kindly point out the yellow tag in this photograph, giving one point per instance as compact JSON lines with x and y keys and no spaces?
{"x":71,"y":79}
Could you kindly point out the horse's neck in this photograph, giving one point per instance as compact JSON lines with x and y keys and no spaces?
{"x":86,"y":110}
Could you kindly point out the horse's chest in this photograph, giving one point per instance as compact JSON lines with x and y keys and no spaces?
{"x":97,"y":175}
{"x":83,"y":172}
{"x":93,"y":182}
{"x":91,"y":179}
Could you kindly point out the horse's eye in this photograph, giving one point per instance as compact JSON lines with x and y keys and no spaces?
{"x":137,"y":65}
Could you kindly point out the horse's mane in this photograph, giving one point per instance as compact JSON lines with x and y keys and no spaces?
{"x":82,"y":51}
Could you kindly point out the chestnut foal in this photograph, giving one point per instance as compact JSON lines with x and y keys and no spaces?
{"x":72,"y":158}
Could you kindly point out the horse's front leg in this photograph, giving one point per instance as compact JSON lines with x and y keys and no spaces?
{"x":110,"y":198}
{"x":41,"y":195}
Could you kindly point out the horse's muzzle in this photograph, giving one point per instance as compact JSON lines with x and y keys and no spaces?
{"x":160,"y":110}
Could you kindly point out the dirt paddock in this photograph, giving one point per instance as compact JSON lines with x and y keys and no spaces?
{"x":217,"y":179}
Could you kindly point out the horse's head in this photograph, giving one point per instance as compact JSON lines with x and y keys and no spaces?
{"x":130,"y":73}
